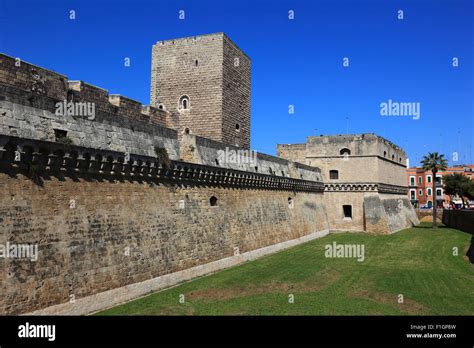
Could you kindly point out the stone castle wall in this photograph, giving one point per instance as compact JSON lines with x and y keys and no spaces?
{"x":236,"y":95}
{"x":334,"y":203}
{"x":389,"y":212}
{"x":28,"y":99}
{"x":366,"y":144}
{"x":391,"y":173}
{"x":209,"y":152}
{"x":369,"y":179}
{"x":293,"y":152}
{"x":131,"y":223}
{"x":372,"y":212}
{"x":372,"y":158}
{"x":351,"y":169}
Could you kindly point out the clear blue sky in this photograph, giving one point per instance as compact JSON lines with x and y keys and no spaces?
{"x":296,"y":62}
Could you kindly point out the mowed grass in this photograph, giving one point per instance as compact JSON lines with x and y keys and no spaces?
{"x":417,"y":263}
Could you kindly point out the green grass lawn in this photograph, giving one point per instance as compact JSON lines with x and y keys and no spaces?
{"x":417,"y":263}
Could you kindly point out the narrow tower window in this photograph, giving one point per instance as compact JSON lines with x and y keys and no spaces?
{"x":183,"y":103}
{"x":290,"y":203}
{"x":213,"y":201}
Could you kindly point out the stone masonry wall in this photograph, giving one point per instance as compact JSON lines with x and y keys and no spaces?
{"x":215,"y":75}
{"x":351,"y":169}
{"x":28,"y":99}
{"x":82,"y":250}
{"x":293,"y":152}
{"x":209,"y":152}
{"x":388,"y":213}
{"x":372,"y":212}
{"x":391,"y":173}
{"x":236,"y":96}
{"x":192,"y":67}
{"x":105,"y":132}
{"x":371,"y":159}
{"x":334,"y":203}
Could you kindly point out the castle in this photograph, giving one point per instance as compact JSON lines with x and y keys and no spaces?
{"x":121,"y":199}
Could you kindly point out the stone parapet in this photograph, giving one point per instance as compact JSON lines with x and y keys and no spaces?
{"x":365,"y":187}
{"x":51,"y":156}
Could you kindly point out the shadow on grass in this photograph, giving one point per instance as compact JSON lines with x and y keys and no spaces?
{"x":429,"y":226}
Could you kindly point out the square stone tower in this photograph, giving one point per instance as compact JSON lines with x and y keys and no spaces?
{"x":204,"y":82}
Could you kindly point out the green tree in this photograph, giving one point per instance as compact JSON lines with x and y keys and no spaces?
{"x":434,"y":162}
{"x":460,"y":185}
{"x":470,"y":191}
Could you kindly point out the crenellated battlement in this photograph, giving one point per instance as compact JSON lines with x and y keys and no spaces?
{"x":191,"y":39}
{"x":32,"y":78}
{"x":35,"y":82}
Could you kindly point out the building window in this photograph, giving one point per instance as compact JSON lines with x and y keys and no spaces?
{"x":420,"y":180}
{"x":439,"y":192}
{"x":290,"y":203}
{"x":412,"y":194}
{"x":420,"y":192}
{"x":213,"y":201}
{"x":393,"y":157}
{"x":412,"y":181}
{"x":184,"y":103}
{"x":345,"y":152}
{"x":347,"y":210}
{"x":429,"y":191}
{"x":428,"y":178}
{"x":196,"y":62}
{"x":333,"y":174}
{"x":60,"y":134}
{"x":161,"y":107}
{"x":237,"y":127}
{"x":385,"y":154}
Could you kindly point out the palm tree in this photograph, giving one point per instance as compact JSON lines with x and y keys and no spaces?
{"x":434,"y":162}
